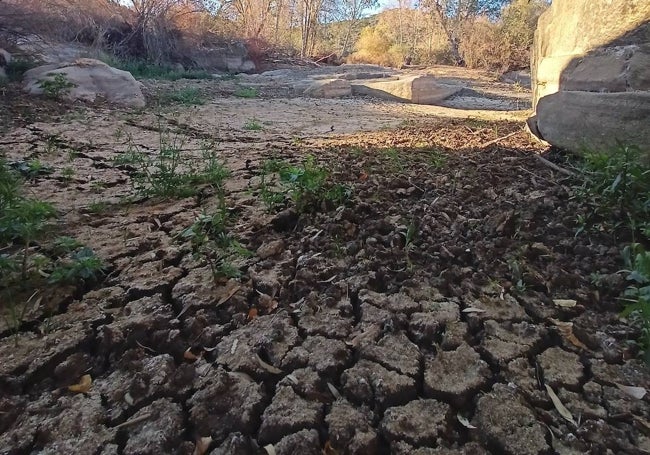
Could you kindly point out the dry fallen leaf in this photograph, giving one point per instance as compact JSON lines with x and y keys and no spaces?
{"x":333,"y":390}
{"x":564,"y":412}
{"x":84,"y":384}
{"x":473,"y":310}
{"x":565,"y":303}
{"x":202,"y":445}
{"x":189,"y":355}
{"x":464,"y":422}
{"x":267,"y":302}
{"x":329,"y":450}
{"x":566,"y":330}
{"x":634,"y":392}
{"x":266,"y":366}
{"x":252,"y":314}
{"x":270,"y":450}
{"x":228,"y":295}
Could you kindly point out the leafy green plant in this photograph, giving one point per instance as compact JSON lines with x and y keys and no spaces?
{"x":67,"y":173}
{"x":57,"y":86}
{"x":616,"y":190}
{"x":253,"y":125}
{"x":30,"y":261}
{"x":210,"y":240}
{"x":246,"y":92}
{"x":171,"y":174}
{"x":306,"y":184}
{"x":145,"y":70}
{"x":188,"y":96}
{"x":637,"y":294}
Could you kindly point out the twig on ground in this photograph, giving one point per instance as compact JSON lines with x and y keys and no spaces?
{"x":555,"y":167}
{"x":133,"y":421}
{"x":499,"y":139}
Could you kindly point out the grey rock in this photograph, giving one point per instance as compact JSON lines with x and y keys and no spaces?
{"x":91,"y":79}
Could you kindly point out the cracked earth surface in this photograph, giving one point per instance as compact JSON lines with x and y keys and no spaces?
{"x":370,"y":347}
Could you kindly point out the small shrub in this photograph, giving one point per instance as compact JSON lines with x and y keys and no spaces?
{"x":188,"y":96}
{"x":246,"y":92}
{"x":145,"y":70}
{"x":171,"y":174}
{"x":57,"y":86}
{"x":637,"y":295}
{"x":307,"y":185}
{"x":616,"y":190}
{"x":253,"y":125}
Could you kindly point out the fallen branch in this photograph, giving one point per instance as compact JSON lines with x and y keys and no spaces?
{"x":499,"y":139}
{"x":555,"y":167}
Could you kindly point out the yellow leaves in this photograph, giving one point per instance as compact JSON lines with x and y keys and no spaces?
{"x":83,"y":386}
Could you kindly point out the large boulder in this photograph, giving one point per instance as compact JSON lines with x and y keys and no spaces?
{"x":87,"y":79}
{"x":591,"y":74}
{"x":5,"y":59}
{"x":421,"y":89}
{"x":325,"y":88}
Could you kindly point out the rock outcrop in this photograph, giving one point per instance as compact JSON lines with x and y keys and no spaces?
{"x":5,"y":59}
{"x":88,"y":79}
{"x":591,"y":74}
{"x":421,"y":89}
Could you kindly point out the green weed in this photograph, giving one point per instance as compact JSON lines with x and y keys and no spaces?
{"x":145,"y":70}
{"x":246,"y":92}
{"x":253,"y":125}
{"x":170,"y":173}
{"x":188,"y":96}
{"x":637,"y":294}
{"x":57,"y":86}
{"x":616,"y":190}
{"x":306,"y":184}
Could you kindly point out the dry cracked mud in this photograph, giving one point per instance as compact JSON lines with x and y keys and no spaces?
{"x":415,"y":318}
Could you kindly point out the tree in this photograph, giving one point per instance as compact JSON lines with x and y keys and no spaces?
{"x":452,"y":15}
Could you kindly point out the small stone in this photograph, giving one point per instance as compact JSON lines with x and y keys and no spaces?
{"x":455,"y":375}
{"x":288,"y":413}
{"x":561,"y":368}
{"x":370,"y":383}
{"x":350,"y":429}
{"x":419,"y":422}
{"x":503,"y":419}
{"x":270,"y":249}
{"x":394,"y":351}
